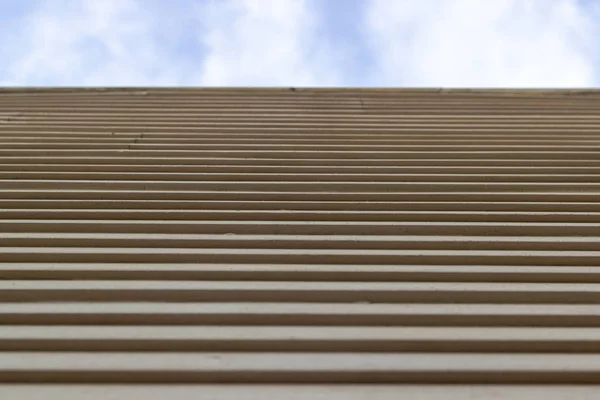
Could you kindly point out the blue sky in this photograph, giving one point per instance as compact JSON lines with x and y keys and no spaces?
{"x":398,"y":43}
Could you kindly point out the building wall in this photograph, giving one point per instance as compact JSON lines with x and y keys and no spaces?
{"x":304,"y":236}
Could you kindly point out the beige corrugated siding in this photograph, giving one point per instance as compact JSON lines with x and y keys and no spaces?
{"x":305,"y":237}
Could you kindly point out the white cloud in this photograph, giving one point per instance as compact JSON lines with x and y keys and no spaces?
{"x":95,"y":42}
{"x":265,"y":43}
{"x":519,"y":43}
{"x":480,"y":43}
{"x":140,"y":42}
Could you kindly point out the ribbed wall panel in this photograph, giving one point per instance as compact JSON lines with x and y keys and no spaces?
{"x":304,"y":238}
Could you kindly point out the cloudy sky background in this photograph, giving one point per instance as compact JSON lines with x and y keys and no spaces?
{"x":415,"y":43}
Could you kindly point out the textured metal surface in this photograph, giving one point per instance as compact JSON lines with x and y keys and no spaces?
{"x":300,"y":237}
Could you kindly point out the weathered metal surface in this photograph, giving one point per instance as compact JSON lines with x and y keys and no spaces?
{"x":318,"y":238}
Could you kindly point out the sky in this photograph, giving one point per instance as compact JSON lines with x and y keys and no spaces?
{"x":301,"y":43}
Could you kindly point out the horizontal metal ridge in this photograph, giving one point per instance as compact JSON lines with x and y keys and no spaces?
{"x":263,"y":128}
{"x":323,"y":196}
{"x":282,"y":137}
{"x":281,"y":241}
{"x":357,"y":313}
{"x":300,"y":339}
{"x":321,"y":206}
{"x":303,"y":227}
{"x":302,"y":147}
{"x":200,"y":114}
{"x":302,"y":391}
{"x":368,"y":176}
{"x":308,"y":292}
{"x":299,"y":272}
{"x":305,"y":123}
{"x":300,"y":368}
{"x":130,"y":159}
{"x":389,"y":156}
{"x":258,"y":334}
{"x":301,"y":256}
{"x":226,"y":169}
{"x":92,"y":140}
{"x":307,"y":187}
{"x":301,"y":215}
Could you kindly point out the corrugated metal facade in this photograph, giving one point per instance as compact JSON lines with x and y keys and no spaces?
{"x":299,"y":236}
